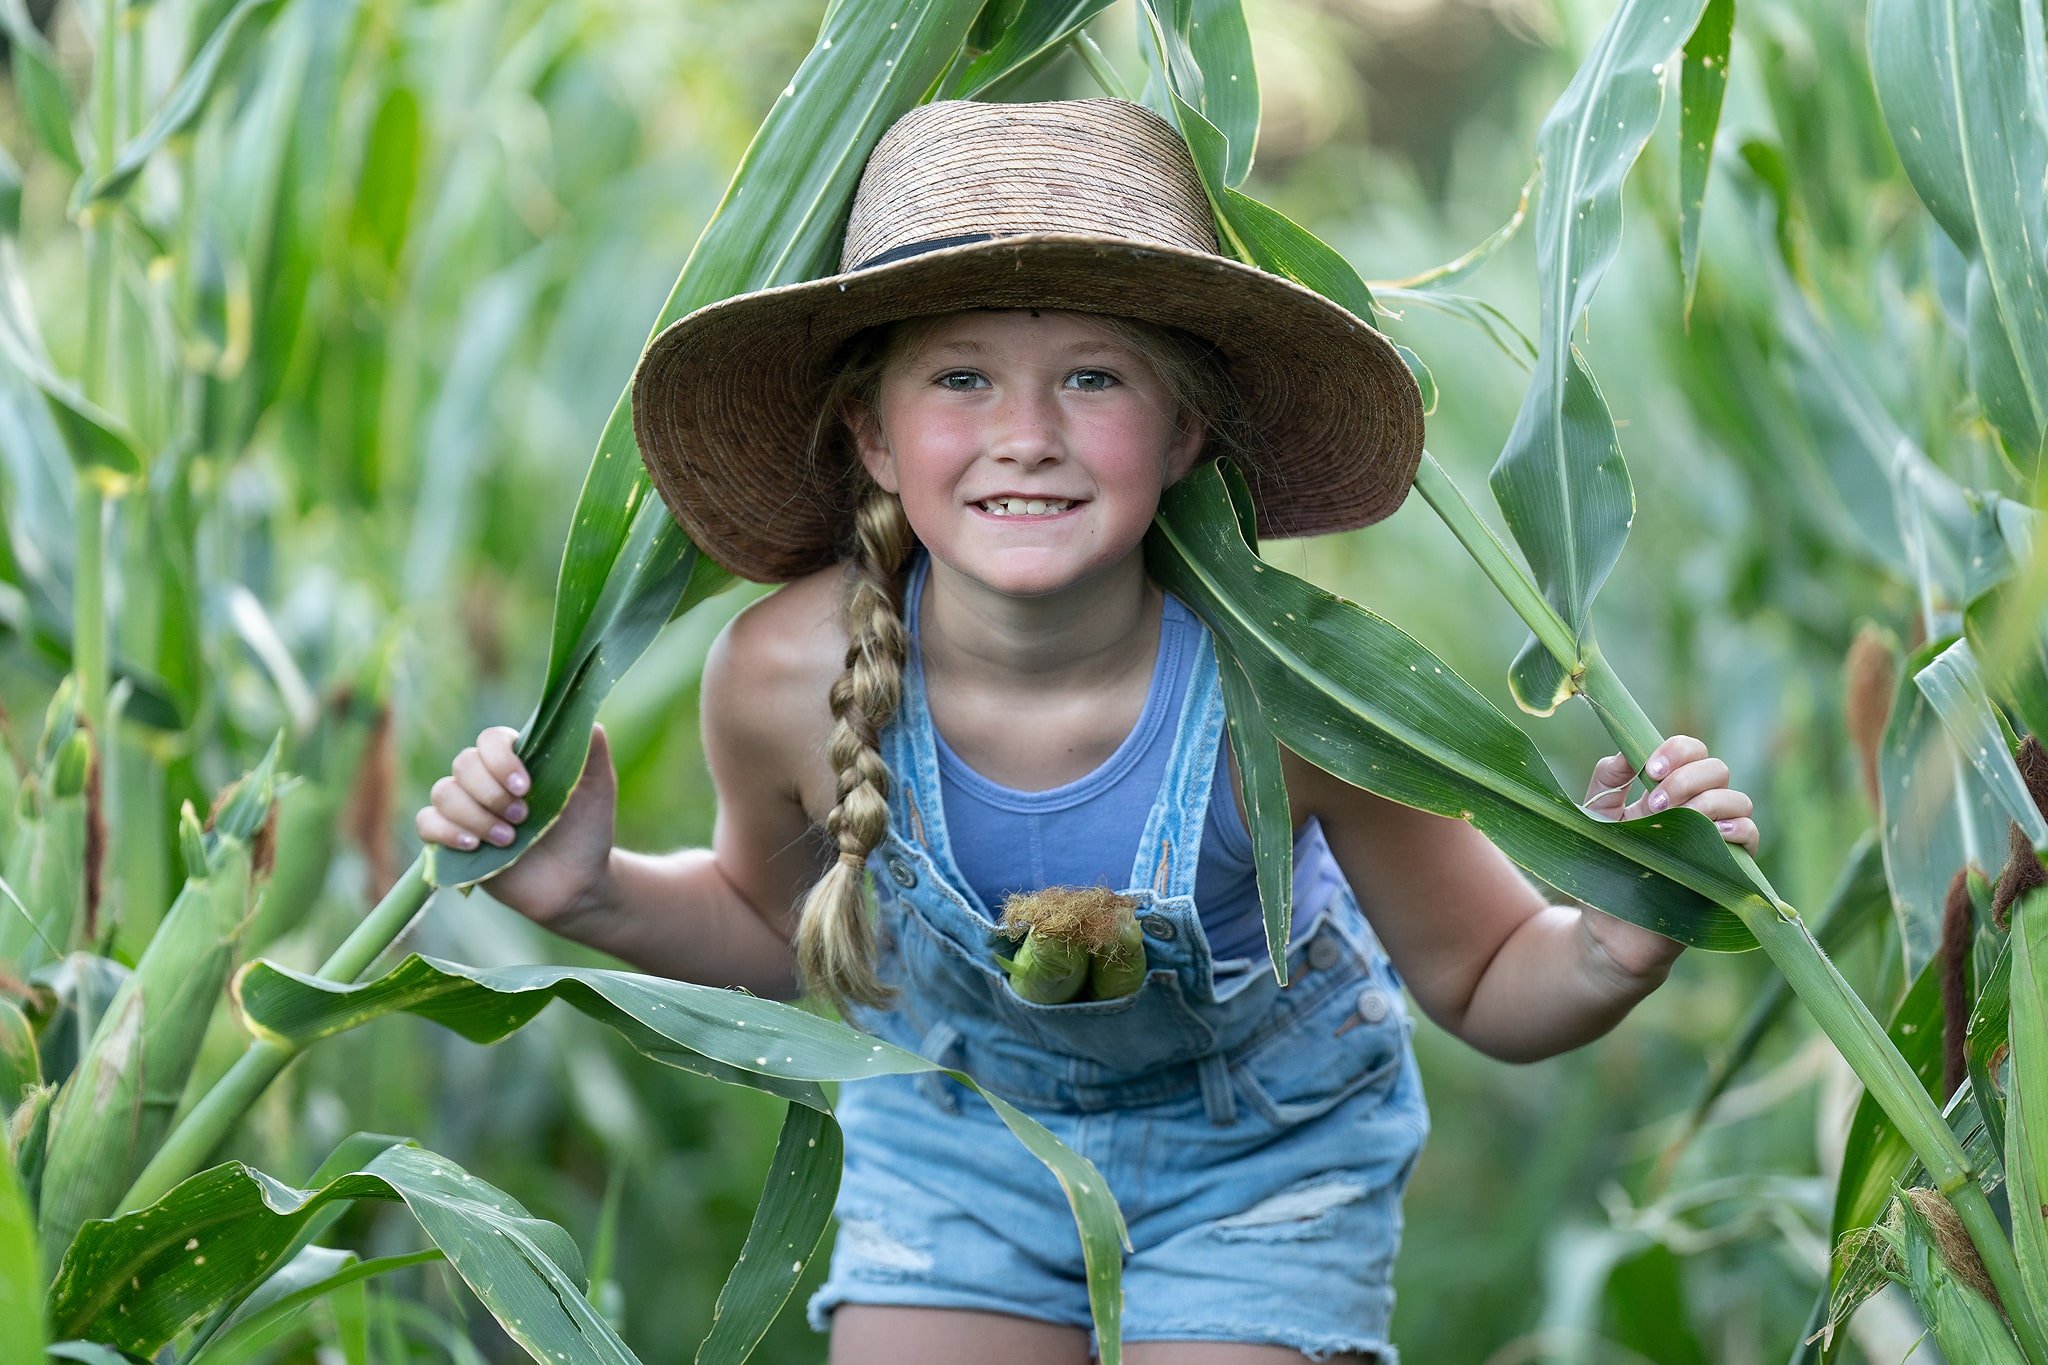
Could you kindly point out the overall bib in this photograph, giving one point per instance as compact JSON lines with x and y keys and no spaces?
{"x":1258,"y":1139}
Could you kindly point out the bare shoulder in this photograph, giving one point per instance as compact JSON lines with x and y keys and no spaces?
{"x":768,"y":678}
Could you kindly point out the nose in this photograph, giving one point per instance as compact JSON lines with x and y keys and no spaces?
{"x":1024,"y":429}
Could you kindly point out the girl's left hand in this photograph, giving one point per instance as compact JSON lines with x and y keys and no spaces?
{"x":1685,"y":775}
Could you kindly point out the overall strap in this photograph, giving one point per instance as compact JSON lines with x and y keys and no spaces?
{"x":907,"y":742}
{"x":1171,"y":845}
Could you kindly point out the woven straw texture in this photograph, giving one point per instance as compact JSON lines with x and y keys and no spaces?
{"x":1096,"y":208}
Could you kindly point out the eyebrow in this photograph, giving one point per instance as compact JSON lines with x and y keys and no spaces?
{"x":1080,"y":349}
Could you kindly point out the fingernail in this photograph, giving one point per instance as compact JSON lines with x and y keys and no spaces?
{"x":517,"y":782}
{"x":516,"y":811}
{"x":501,"y":834}
{"x":1725,"y":826}
{"x":1659,"y":800}
{"x":1657,"y":767}
{"x":466,"y":840}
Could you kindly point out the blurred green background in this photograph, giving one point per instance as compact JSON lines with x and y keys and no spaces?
{"x":467,"y":213}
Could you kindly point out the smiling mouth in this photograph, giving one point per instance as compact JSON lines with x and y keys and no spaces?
{"x":1025,"y":507}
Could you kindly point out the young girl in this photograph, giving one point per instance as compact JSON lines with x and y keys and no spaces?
{"x":950,"y":452}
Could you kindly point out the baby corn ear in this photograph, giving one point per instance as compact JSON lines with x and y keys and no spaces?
{"x":1074,"y":936}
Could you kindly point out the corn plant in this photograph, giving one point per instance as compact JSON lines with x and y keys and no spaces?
{"x":1338,"y":684}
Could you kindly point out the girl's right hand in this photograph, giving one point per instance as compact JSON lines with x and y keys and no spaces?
{"x":484,"y":796}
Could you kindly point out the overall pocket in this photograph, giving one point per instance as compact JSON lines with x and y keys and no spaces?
{"x":1349,"y":1037}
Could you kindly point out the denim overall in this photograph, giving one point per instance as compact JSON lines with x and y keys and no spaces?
{"x":1221,"y":1109}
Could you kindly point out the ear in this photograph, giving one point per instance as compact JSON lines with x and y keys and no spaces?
{"x":1184,"y":451}
{"x":866,"y":426}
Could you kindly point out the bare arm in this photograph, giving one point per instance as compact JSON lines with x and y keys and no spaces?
{"x":1483,"y":953}
{"x":722,"y":915}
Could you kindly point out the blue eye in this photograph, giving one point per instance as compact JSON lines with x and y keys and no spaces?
{"x":1092,"y":381}
{"x":974,"y":381}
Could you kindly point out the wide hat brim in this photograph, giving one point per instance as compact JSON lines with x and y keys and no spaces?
{"x":726,"y":400}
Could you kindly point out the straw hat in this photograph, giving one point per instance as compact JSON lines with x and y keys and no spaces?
{"x":1087,"y":205}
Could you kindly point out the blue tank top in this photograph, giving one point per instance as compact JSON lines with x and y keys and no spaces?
{"x":1082,"y":833}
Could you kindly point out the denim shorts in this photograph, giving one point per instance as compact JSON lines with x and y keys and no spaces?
{"x":1277,"y":1225}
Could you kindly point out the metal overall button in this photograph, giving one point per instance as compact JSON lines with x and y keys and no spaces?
{"x":1323,"y":952}
{"x":1159,"y":927}
{"x":901,"y":872}
{"x":1372,"y":1007}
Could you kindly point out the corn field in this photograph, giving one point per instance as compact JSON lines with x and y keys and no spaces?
{"x":315,"y":321}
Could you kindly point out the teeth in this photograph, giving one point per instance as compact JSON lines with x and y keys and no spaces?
{"x":1024,"y":507}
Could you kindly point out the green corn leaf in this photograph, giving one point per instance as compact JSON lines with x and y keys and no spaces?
{"x":21,"y":1275}
{"x":789,"y":1223}
{"x":186,"y":102}
{"x":1207,"y":59}
{"x":1501,"y":330}
{"x":1952,"y":684}
{"x":92,"y":1353}
{"x":1937,"y":813}
{"x":1962,"y":91}
{"x":138,"y":1280}
{"x":1351,"y":693}
{"x":1251,"y":231}
{"x":100,"y":443}
{"x":2006,"y":616}
{"x":798,"y":178}
{"x":39,"y":85}
{"x":1268,"y":815}
{"x":1986,"y":1051}
{"x":308,"y":1277}
{"x":1560,"y":480}
{"x":1703,"y":82}
{"x":1023,"y":39}
{"x":1454,"y":271}
{"x":725,"y":1034}
{"x":2026,"y":1113}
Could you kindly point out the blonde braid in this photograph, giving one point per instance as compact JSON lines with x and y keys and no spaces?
{"x":835,"y":944}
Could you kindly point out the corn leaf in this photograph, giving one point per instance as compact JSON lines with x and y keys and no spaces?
{"x":21,"y":1276}
{"x":1030,"y":33}
{"x":728,"y":1035}
{"x":1952,"y":683}
{"x":180,"y":109}
{"x":311,"y":1275}
{"x":1498,"y":327}
{"x":799,"y":175}
{"x":136,"y":1281}
{"x":1702,"y":84}
{"x":100,"y":443}
{"x":20,"y":1067}
{"x":1267,"y":813}
{"x":2006,"y":616}
{"x":39,"y":85}
{"x":1986,"y":1053}
{"x":789,"y":1223}
{"x":1962,"y":91}
{"x":1251,"y":231}
{"x":1560,"y":480}
{"x":1354,"y":695}
{"x":2026,"y":1113}
{"x":1937,"y":813}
